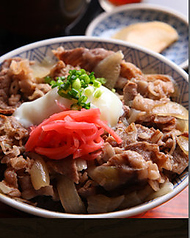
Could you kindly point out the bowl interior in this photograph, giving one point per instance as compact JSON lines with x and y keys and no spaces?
{"x":148,"y":62}
{"x":109,"y":23}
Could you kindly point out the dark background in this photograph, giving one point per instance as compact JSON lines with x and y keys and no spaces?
{"x":23,"y":21}
{"x":94,"y":228}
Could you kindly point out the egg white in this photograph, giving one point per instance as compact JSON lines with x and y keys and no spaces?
{"x":34,"y":112}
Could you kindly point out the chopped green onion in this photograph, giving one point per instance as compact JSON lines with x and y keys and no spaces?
{"x":73,"y":93}
{"x":101,"y":80}
{"x":82,"y":99}
{"x":96,"y":83}
{"x":53,"y":84}
{"x":65,"y":86}
{"x":87,"y":105}
{"x":98,"y":93}
{"x":85,"y":78}
{"x":77,"y":86}
{"x":61,"y":78}
{"x":64,"y":95}
{"x":48,"y":79}
{"x":88,"y":91}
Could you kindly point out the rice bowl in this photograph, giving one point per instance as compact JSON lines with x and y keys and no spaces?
{"x":148,"y":62}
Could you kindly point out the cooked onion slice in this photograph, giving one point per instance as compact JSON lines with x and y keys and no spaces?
{"x":9,"y":190}
{"x":135,"y":115}
{"x":109,"y":68}
{"x":101,"y":203}
{"x":81,"y":164}
{"x":105,"y":176}
{"x":182,"y":125}
{"x":164,"y":189}
{"x":183,"y":143}
{"x":39,"y":173}
{"x":69,"y":197}
{"x":170,"y":109}
{"x":42,"y":69}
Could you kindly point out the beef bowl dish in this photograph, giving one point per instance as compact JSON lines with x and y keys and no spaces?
{"x":91,"y":128}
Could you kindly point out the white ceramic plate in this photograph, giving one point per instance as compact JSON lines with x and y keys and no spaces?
{"x":147,"y":61}
{"x":108,"y":23}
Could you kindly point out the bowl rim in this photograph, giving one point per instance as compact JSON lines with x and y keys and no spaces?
{"x":118,"y":214}
{"x":125,"y":213}
{"x":61,"y":39}
{"x":137,"y":6}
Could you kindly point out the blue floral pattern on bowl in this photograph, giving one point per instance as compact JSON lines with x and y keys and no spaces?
{"x":109,"y":23}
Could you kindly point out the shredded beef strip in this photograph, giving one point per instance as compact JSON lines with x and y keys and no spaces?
{"x":5,"y":83}
{"x":17,"y":84}
{"x":126,"y":168}
{"x":66,"y":167}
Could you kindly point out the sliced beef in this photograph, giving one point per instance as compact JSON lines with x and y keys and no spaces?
{"x":66,"y":167}
{"x":159,"y":86}
{"x":89,"y":189}
{"x":180,"y":161}
{"x":28,"y":192}
{"x":165,"y":123}
{"x":151,"y":152}
{"x":17,"y":83}
{"x":130,"y":71}
{"x":83,"y":57}
{"x":12,"y":139}
{"x":129,"y":92}
{"x":154,"y":86}
{"x":22,"y":73}
{"x":5,"y":83}
{"x":11,"y":177}
{"x":125,"y":168}
{"x":12,"y":136}
{"x":136,"y":132}
{"x":60,"y":69}
{"x":146,"y":104}
{"x":107,"y":152}
{"x":9,"y":190}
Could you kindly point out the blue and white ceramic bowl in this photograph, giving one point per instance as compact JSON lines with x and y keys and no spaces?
{"x":148,"y":62}
{"x":108,"y":23}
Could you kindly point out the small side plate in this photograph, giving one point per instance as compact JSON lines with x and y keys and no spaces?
{"x":108,"y":23}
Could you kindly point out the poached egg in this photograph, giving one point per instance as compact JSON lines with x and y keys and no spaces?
{"x":34,"y":112}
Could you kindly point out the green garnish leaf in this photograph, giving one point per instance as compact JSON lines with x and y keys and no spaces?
{"x":101,"y":80}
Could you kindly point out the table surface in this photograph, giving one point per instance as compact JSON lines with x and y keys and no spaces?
{"x":177,"y":207}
